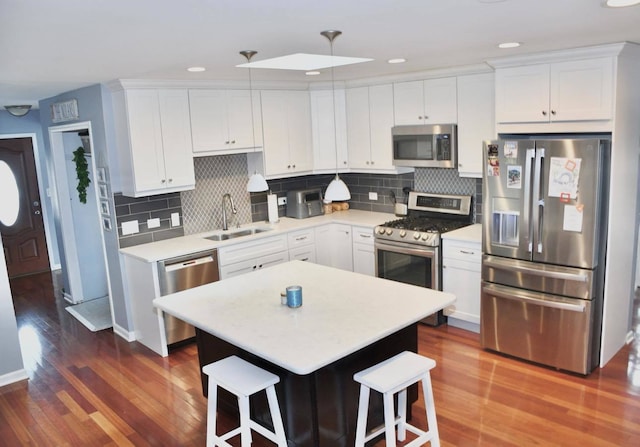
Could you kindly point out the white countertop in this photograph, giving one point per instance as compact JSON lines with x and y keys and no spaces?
{"x":471,"y":233}
{"x":342,"y":312}
{"x":170,"y":248}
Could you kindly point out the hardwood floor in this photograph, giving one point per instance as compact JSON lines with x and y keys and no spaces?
{"x":95,"y":389}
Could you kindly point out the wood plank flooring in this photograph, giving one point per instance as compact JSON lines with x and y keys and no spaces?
{"x":95,"y":389}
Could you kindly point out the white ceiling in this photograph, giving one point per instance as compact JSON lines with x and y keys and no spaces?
{"x":50,"y":47}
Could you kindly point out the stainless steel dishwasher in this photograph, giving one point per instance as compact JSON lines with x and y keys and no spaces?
{"x":181,"y":273}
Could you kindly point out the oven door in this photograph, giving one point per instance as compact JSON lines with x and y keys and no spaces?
{"x":419,"y":266}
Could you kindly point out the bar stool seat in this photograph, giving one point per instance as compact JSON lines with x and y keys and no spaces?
{"x":391,"y":376}
{"x":242,"y":379}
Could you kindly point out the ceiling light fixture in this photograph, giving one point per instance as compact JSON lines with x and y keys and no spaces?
{"x":398,"y":60}
{"x":196,"y":69}
{"x":257,"y":182}
{"x":18,"y":110}
{"x":337,"y":189}
{"x":509,"y":45}
{"x":621,"y":3}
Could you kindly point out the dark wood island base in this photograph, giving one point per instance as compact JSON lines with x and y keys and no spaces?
{"x":318,"y":409}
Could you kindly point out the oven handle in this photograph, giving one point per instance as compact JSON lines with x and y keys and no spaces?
{"x":424,"y":252}
{"x":522,"y":296}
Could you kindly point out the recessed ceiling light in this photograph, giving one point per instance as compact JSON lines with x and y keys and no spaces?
{"x":621,"y":3}
{"x":196,"y":69}
{"x":509,"y":45}
{"x":312,"y":73}
{"x":398,"y":60}
{"x":305,"y":62}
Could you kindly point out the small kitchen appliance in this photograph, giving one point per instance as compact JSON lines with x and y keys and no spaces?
{"x":425,"y":146}
{"x":304,"y":203}
{"x":407,"y":250}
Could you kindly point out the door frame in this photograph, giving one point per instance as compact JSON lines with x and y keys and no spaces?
{"x":45,"y":194}
{"x":69,"y":244}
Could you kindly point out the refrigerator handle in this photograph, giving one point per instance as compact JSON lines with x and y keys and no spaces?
{"x":511,"y":294}
{"x":500,"y":264}
{"x":538,"y":198}
{"x":531,"y":153}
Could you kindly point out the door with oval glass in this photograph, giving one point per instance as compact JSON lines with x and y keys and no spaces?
{"x":21,"y":222}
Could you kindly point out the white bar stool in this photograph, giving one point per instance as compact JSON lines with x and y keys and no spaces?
{"x":392,"y":376}
{"x":242,"y":379}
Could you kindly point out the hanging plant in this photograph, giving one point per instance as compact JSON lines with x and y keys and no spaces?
{"x":82,"y":173}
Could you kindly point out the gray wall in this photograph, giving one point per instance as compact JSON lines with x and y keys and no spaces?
{"x":10,"y":345}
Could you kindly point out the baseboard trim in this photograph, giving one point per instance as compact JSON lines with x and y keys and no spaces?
{"x":122,"y":332}
{"x":12,"y":377}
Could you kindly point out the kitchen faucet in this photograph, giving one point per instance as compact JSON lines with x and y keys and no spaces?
{"x":224,"y":210}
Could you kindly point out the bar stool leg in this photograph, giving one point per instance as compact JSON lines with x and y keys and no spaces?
{"x":402,"y":413}
{"x":429,"y":405}
{"x":389,"y":420}
{"x":212,"y":408}
{"x":245,"y":423}
{"x":276,"y":417}
{"x":363,"y":409}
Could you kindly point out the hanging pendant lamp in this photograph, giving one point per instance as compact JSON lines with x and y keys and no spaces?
{"x":337,"y":189}
{"x":257,"y":182}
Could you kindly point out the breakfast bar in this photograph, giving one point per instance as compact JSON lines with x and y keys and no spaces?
{"x":347,"y":322}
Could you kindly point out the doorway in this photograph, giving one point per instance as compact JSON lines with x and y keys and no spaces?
{"x":79,"y":224}
{"x":21,"y":218}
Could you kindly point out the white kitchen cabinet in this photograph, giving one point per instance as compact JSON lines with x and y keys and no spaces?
{"x":461,"y":265}
{"x":363,"y":251}
{"x":221,"y":121}
{"x":153,"y":139}
{"x":369,"y":123}
{"x":580,"y":90}
{"x":302,"y":245}
{"x":287,"y":132}
{"x":324,"y":132}
{"x":475,"y":121}
{"x":334,"y":246}
{"x":253,"y":255}
{"x":432,"y":101}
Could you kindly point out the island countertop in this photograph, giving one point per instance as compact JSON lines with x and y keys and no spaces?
{"x":341,"y":313}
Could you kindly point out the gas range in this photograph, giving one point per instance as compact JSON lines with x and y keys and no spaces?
{"x":428,"y":216}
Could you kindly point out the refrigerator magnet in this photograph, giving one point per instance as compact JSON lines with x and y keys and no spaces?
{"x":493,"y":161}
{"x":514,"y":177}
{"x":510,"y":149}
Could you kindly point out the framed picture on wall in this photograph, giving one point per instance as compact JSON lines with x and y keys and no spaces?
{"x":106,"y":223}
{"x":101,"y":175}
{"x":104,"y":193}
{"x":104,"y":208}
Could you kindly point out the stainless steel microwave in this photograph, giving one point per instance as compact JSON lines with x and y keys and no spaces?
{"x":425,"y":146}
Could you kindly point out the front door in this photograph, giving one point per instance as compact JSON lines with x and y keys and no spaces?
{"x":21,"y":222}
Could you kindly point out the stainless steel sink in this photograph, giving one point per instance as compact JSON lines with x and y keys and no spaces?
{"x":237,"y":233}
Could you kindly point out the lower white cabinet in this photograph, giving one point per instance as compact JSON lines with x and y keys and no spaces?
{"x":334,"y":246}
{"x":302,"y":246}
{"x":461,"y":264}
{"x":363,"y":251}
{"x":253,"y":255}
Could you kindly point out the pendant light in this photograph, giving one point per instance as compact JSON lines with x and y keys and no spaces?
{"x":337,"y":189}
{"x":257,"y":182}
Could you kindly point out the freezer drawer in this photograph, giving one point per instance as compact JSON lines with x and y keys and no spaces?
{"x":548,"y":329}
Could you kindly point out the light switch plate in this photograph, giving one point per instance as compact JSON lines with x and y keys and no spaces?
{"x":175,"y":219}
{"x":153,"y":223}
{"x":282,"y":201}
{"x":130,"y":227}
{"x":373,"y":196}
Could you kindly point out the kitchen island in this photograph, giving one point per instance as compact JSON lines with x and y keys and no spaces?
{"x":347,"y":322}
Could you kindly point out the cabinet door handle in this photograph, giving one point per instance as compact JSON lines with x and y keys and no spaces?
{"x":304,"y":259}
{"x":163,"y":181}
{"x":226,"y":142}
{"x":544,"y":113}
{"x":467,"y":252}
{"x":553,"y":112}
{"x":366,"y":236}
{"x":233,"y":141}
{"x":170,"y":180}
{"x":301,"y":238}
{"x":294,"y":166}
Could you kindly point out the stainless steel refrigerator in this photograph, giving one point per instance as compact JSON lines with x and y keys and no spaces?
{"x":544,"y":240}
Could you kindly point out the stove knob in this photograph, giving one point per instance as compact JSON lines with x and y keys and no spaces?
{"x":379,"y":230}
{"x":389,"y":231}
{"x":416,"y":235}
{"x":403,"y":233}
{"x":425,"y":236}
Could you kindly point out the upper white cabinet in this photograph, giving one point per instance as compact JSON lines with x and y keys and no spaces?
{"x":153,"y":136}
{"x":324,"y":131}
{"x":221,"y":121}
{"x":287,"y":132}
{"x":475,"y":121}
{"x":425,"y":102}
{"x":369,"y":123}
{"x":580,"y":90}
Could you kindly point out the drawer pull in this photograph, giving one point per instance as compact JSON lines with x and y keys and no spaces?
{"x":467,"y":252}
{"x":301,"y":238}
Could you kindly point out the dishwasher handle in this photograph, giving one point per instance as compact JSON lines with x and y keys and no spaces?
{"x":188,"y":263}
